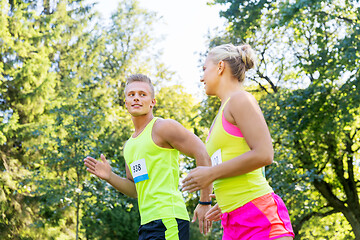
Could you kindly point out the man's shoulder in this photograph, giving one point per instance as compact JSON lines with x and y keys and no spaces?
{"x":164,"y":124}
{"x":166,"y":128}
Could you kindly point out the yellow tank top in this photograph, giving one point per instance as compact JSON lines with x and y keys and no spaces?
{"x":156,"y":174}
{"x":233,"y":192}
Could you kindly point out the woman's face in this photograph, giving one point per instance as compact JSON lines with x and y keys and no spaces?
{"x":210,"y":76}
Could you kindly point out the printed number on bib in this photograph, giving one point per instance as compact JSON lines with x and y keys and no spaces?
{"x":216,"y":158}
{"x":139,"y":171}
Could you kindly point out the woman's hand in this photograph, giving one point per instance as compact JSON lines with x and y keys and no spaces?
{"x":197,"y":179}
{"x":214,"y":214}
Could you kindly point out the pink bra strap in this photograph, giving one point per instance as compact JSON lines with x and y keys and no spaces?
{"x":230,"y":128}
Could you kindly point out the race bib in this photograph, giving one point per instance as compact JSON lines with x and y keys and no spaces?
{"x":139,"y":171}
{"x":216,"y":158}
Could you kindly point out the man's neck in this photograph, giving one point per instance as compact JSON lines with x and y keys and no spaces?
{"x":140,"y":122}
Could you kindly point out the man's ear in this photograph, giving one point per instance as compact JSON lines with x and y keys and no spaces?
{"x":153,"y":102}
{"x":221,"y":67}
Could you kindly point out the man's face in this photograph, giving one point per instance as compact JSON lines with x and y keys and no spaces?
{"x":138,"y":98}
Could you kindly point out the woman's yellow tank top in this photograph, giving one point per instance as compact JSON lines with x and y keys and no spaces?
{"x":233,"y":192}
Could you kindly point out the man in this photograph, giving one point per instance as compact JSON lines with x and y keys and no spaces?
{"x":152,"y":168}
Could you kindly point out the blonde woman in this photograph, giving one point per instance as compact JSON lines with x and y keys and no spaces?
{"x":239,"y":144}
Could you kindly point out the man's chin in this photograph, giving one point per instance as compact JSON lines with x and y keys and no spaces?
{"x":137,"y":114}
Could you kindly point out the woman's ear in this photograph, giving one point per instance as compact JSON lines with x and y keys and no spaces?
{"x":221,"y":67}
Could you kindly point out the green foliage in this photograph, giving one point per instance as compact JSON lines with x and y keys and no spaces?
{"x":309,"y":67}
{"x":319,"y":153}
{"x":113,"y":222}
{"x":174,"y":103}
{"x":327,"y":227}
{"x":61,"y":94}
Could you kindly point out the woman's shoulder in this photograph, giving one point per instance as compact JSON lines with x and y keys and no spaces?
{"x":241,"y":98}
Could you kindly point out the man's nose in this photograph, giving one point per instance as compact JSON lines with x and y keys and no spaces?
{"x":135,"y":97}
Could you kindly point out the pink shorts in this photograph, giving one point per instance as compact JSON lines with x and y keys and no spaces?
{"x":263,"y":218}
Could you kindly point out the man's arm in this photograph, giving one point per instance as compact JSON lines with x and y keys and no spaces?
{"x":102,"y":169}
{"x":171,"y":134}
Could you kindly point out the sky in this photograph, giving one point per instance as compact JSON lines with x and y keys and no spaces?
{"x":184,"y":26}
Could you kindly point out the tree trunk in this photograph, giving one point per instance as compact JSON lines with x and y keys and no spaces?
{"x":77,"y":215}
{"x":350,"y":212}
{"x":354,"y":220}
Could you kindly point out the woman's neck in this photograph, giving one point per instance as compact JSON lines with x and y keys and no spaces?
{"x":229,"y":88}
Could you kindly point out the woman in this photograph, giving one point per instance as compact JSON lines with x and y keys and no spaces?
{"x":239,"y":144}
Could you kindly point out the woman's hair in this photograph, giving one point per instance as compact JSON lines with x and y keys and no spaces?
{"x":140,"y":78}
{"x":240,"y":58}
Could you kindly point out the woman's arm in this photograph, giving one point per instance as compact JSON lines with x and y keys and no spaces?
{"x":242,"y":110}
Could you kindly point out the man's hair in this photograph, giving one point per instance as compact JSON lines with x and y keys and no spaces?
{"x":140,"y":78}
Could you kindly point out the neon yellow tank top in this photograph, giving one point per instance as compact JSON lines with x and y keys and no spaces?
{"x":156,"y":174}
{"x":233,"y":192}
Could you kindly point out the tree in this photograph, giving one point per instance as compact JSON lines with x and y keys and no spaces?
{"x":308,"y":57}
{"x":27,"y":84}
{"x":59,"y":103}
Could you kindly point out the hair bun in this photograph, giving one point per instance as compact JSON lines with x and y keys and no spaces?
{"x":240,"y":58}
{"x":247,"y":56}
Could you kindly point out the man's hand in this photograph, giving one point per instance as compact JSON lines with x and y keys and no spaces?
{"x":101,"y":169}
{"x":199,"y":213}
